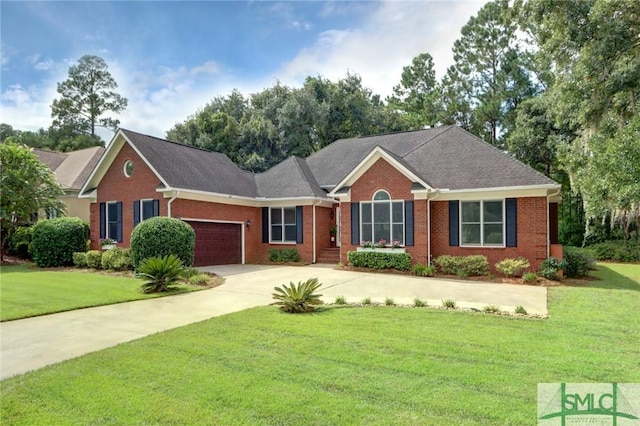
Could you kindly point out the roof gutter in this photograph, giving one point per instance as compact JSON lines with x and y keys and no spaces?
{"x":170,"y":202}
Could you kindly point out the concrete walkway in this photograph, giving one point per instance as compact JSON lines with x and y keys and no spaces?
{"x":33,"y":343}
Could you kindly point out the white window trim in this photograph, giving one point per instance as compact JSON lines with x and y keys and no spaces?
{"x":391,"y":222}
{"x":106,"y":220}
{"x":124,"y":168}
{"x":283,"y":224}
{"x":482,"y":244}
{"x":141,"y":209}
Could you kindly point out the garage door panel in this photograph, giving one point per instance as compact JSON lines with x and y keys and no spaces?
{"x":217,"y":243}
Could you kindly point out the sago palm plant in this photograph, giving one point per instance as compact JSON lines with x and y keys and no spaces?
{"x":297,"y":298}
{"x":160,"y":273}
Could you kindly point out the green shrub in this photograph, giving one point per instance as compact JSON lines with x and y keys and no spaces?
{"x":512,"y":267}
{"x":419,"y":303}
{"x":379,"y":260}
{"x":461,"y":273}
{"x":285,"y":255}
{"x":472,"y":265}
{"x":423,"y":270}
{"x":80,"y":259}
{"x":54,"y":241}
{"x":530,"y":277}
{"x":94,"y":259}
{"x":189,"y":272}
{"x":340,"y":300}
{"x":161,"y":236}
{"x":549,"y":268}
{"x":449,"y":303}
{"x":160,"y":273}
{"x":389,"y":301}
{"x":200,"y":279}
{"x":20,"y":240}
{"x":298,"y":298}
{"x":577,"y":261}
{"x":520,"y":310}
{"x":117,"y":259}
{"x":617,"y":251}
{"x":491,"y":309}
{"x":366,"y":301}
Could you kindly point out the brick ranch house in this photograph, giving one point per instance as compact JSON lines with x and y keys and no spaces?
{"x":435,"y":191}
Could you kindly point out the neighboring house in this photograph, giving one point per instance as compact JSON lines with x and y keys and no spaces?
{"x":71,"y":170}
{"x":436,"y":191}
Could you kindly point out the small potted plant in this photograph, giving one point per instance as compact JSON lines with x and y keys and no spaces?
{"x":333,"y":230}
{"x":382,"y":243}
{"x":107,"y":243}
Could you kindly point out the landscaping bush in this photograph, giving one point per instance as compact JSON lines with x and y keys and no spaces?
{"x":20,"y":240}
{"x":423,"y":270}
{"x":512,"y":267}
{"x":161,"y":237}
{"x":460,"y":265}
{"x":577,"y":261}
{"x":449,"y":304}
{"x":530,"y":277}
{"x":549,"y":268}
{"x":379,"y":260}
{"x":200,"y":279}
{"x":94,"y":259}
{"x":189,"y":272}
{"x":617,"y":251}
{"x":80,"y":259}
{"x":117,"y":259}
{"x":54,"y":241}
{"x":298,"y":298}
{"x":284,"y":255}
{"x":160,"y":273}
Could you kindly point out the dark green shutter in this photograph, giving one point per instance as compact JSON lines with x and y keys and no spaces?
{"x":136,"y":212}
{"x":299,"y":228}
{"x":408,"y":223}
{"x":119,"y":218}
{"x":265,"y":224}
{"x":454,"y":223}
{"x":512,"y":221}
{"x":103,"y":220}
{"x":355,"y":224}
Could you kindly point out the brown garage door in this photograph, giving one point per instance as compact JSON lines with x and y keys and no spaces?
{"x":217,"y":243}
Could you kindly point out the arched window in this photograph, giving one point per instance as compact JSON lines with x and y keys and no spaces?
{"x":382,"y":219}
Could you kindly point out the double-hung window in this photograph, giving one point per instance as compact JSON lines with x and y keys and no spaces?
{"x":382,"y":219}
{"x":283,"y":225}
{"x":482,"y":223}
{"x":114,"y":221}
{"x":147,"y":209}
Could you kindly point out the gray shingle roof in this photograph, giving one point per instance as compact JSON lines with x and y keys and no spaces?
{"x":290,"y":178}
{"x":71,"y":168}
{"x":444,"y":157}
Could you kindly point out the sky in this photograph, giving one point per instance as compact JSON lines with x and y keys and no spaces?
{"x":171,"y":58}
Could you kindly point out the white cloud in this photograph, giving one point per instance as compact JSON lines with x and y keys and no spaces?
{"x":27,"y":108}
{"x":391,"y":36}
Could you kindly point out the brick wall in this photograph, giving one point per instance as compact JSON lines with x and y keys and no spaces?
{"x":531,"y":234}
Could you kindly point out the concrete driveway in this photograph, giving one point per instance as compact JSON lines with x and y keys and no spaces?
{"x":33,"y":343}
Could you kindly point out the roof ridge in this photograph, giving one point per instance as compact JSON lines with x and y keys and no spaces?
{"x":307,"y":176}
{"x":395,"y":133}
{"x":176,"y":143}
{"x":446,"y":129}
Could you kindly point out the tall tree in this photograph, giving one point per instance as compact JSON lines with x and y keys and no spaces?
{"x":86,"y":96}
{"x":26,"y":186}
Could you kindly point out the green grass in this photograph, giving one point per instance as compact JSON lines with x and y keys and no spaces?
{"x":28,"y":291}
{"x":346,"y":365}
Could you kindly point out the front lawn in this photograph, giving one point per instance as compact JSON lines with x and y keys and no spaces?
{"x":346,"y":365}
{"x":29,"y":291}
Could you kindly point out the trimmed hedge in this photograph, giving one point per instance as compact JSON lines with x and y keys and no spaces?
{"x":617,"y":251}
{"x":160,"y":237}
{"x":20,"y":240}
{"x":470,"y":265}
{"x":577,"y":262}
{"x":94,"y":259}
{"x":116,"y":259}
{"x":54,"y":241}
{"x":379,"y":260}
{"x":512,"y":267}
{"x":80,"y":259}
{"x":284,"y":255}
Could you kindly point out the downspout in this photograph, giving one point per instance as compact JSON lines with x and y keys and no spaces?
{"x":171,"y":201}
{"x":313,"y":260}
{"x":429,"y":227}
{"x":548,"y":222}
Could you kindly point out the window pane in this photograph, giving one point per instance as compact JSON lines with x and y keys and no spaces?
{"x":381,"y":195}
{"x":493,"y":234}
{"x":112,"y":230}
{"x":112,"y":212}
{"x":492,"y":211}
{"x":381,"y":213}
{"x":276,"y":233}
{"x":290,"y":216}
{"x":366,"y":213}
{"x":381,"y":232}
{"x":398,"y":212}
{"x":147,"y":209}
{"x":276,"y":216}
{"x":471,"y":234}
{"x":398,"y":233}
{"x":366,"y":233}
{"x":471,"y":211}
{"x":290,"y":233}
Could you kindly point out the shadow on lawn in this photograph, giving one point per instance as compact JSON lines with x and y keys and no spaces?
{"x":608,"y":278}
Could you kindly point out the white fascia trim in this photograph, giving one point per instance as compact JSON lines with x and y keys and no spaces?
{"x":107,"y":159}
{"x":242,"y":200}
{"x":500,"y":188}
{"x":368,"y":161}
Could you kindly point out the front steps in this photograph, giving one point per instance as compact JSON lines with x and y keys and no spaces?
{"x":329,"y":255}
